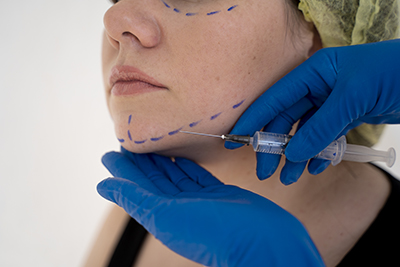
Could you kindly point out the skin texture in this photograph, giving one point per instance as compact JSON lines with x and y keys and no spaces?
{"x":208,"y":64}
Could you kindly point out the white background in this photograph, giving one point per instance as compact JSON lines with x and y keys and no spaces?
{"x":54,"y":129}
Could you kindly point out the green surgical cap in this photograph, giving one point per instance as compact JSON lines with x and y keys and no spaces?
{"x":351,"y":22}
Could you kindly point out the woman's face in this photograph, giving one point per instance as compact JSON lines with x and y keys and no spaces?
{"x":192,"y":65}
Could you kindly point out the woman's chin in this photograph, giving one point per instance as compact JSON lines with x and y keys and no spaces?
{"x":147,"y":134}
{"x":166,"y":145}
{"x":178,"y":146}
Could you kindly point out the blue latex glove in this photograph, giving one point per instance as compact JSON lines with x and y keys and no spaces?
{"x":332,"y":92}
{"x":198,"y":217}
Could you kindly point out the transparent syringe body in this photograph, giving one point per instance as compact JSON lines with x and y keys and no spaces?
{"x":271,"y":143}
{"x":337,"y":151}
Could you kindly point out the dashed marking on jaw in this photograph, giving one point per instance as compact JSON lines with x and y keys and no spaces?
{"x":174,"y":132}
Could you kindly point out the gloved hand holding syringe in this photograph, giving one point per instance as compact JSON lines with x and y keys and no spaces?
{"x":337,"y":151}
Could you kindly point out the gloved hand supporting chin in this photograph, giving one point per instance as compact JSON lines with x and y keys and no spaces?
{"x":200,"y":218}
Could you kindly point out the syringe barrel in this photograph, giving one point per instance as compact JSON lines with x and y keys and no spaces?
{"x":274,"y":143}
{"x":337,"y":151}
{"x":271,"y":143}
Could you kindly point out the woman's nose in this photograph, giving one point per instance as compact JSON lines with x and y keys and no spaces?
{"x":130,"y":23}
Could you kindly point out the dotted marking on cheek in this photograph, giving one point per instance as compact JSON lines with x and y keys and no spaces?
{"x":121,"y":140}
{"x":232,"y":7}
{"x":166,"y":5}
{"x":140,"y":142}
{"x":191,"y":14}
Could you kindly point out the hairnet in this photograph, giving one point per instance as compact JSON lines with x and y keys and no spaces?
{"x":351,"y":22}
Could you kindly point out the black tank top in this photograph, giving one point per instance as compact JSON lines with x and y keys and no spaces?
{"x":377,"y":247}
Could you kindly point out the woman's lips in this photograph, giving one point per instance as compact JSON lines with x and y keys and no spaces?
{"x":121,"y":88}
{"x":128,"y":80}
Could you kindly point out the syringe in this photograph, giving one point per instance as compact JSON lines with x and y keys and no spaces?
{"x":337,"y":151}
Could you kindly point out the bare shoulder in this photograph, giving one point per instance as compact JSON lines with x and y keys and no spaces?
{"x":107,"y":238}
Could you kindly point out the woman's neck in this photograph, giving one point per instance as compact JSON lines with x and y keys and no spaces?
{"x":238,"y":167}
{"x":230,"y":166}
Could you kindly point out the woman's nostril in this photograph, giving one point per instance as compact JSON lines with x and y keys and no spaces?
{"x":127,"y":34}
{"x":130,"y":35}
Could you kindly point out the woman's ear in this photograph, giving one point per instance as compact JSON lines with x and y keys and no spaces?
{"x":317,"y":43}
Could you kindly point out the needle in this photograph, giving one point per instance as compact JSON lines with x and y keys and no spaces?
{"x":203,"y":134}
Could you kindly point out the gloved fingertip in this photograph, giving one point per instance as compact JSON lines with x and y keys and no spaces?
{"x":231,"y":145}
{"x":264,"y":173}
{"x":104,"y":190}
{"x":108,"y":154}
{"x":316,"y":166}
{"x":287,"y":181}
{"x":267,"y":164}
{"x":111,"y":155}
{"x":263,"y":177}
{"x":103,"y":184}
{"x":291,"y":172}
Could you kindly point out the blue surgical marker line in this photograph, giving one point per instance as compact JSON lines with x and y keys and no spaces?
{"x":176,"y":131}
{"x":232,"y":7}
{"x":191,"y":14}
{"x":157,"y":138}
{"x":215,"y":116}
{"x":238,"y":104}
{"x":168,"y":6}
{"x":191,"y":125}
{"x":213,"y":13}
{"x":129,"y":135}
